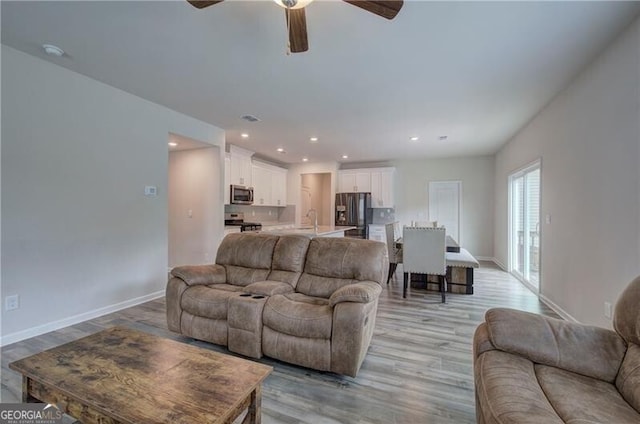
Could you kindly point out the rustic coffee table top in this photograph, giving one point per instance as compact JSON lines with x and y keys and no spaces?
{"x":136,"y":377}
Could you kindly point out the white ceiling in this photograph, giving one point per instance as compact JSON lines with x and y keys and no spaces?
{"x":474,"y":71}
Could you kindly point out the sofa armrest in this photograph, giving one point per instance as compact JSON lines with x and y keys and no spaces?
{"x":200,"y":274}
{"x":362,"y":292}
{"x":482,"y":341}
{"x":591,"y":351}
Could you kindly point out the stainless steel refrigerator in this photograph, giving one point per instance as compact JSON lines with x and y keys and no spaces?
{"x":354,"y":209}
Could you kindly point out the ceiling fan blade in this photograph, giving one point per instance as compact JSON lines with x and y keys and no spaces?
{"x":385,"y":8}
{"x":202,"y":4}
{"x":297,"y":30}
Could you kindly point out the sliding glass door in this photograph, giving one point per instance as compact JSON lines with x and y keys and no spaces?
{"x":524,"y":228}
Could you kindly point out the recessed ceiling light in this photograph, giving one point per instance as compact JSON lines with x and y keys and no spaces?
{"x":414,"y":138}
{"x":52,"y":50}
{"x":305,"y":159}
{"x":173,"y":144}
{"x":280,"y":150}
{"x":244,"y":135}
{"x":443,"y":137}
{"x":345,"y":157}
{"x":313,"y":139}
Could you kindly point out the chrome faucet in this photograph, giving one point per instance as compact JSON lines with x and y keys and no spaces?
{"x":315,"y":216}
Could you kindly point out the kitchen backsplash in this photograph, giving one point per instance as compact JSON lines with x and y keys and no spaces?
{"x":288,"y":214}
{"x":264,"y":213}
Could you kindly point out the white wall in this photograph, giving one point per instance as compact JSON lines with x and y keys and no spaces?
{"x":477,"y":176}
{"x":588,"y":138}
{"x":194,"y":193}
{"x":79,"y":237}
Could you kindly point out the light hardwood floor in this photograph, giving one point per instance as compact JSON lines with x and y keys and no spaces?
{"x":418,"y":370}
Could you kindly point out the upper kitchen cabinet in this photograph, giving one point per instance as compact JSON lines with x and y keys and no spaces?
{"x":279,"y":187}
{"x":261,"y":175}
{"x":382,"y":187}
{"x":240,"y":164}
{"x":269,"y":185}
{"x":354,"y":181}
{"x":377,"y":181}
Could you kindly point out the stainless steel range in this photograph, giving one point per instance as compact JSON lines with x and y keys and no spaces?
{"x":236,"y":219}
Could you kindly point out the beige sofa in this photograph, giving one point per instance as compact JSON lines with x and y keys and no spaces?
{"x":310,"y":302}
{"x":534,"y":369}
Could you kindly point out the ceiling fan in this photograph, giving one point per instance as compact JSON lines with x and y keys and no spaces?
{"x":297,"y":21}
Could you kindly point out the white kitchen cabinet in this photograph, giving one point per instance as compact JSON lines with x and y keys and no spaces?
{"x":240,"y":166}
{"x":354,"y":181}
{"x":261,"y":176}
{"x":227,"y":179}
{"x":279,"y":187}
{"x":269,"y":185}
{"x":378,"y":232}
{"x":382,"y":187}
{"x":377,"y":181}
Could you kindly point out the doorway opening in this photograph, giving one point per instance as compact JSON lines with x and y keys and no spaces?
{"x":315,"y":193}
{"x":524,"y":225}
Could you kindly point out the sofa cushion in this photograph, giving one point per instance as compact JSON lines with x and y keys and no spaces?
{"x":508,"y":392}
{"x":591,"y":351}
{"x":208,"y":301}
{"x":580,"y":399}
{"x":335,"y":262}
{"x":248,"y":250}
{"x":243,"y":276}
{"x":288,"y":259}
{"x":299,"y":315}
{"x":628,"y":380}
{"x":268,"y":288}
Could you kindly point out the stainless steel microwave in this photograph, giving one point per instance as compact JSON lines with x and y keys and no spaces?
{"x":241,"y":195}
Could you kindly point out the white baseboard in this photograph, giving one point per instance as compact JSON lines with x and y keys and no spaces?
{"x":500,"y":264}
{"x":66,"y":322}
{"x":557,"y":309}
{"x":484,"y":258}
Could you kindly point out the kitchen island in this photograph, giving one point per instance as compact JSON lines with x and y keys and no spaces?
{"x":323,"y":231}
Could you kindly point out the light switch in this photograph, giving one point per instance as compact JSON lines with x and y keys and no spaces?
{"x":547,"y":218}
{"x":190,"y":213}
{"x":150,"y":191}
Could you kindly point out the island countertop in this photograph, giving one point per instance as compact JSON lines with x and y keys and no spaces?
{"x":323,"y":231}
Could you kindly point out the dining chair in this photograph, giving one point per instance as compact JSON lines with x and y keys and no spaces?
{"x":424,"y":253}
{"x":395,"y":252}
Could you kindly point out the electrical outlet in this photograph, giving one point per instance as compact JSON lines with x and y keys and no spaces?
{"x":11,"y":302}
{"x":607,"y":309}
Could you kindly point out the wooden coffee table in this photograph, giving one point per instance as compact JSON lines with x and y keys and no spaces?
{"x":121,"y":375}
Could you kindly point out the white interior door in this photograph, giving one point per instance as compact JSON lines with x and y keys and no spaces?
{"x":445,"y":204}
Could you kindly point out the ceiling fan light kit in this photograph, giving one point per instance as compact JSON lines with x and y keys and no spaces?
{"x":297,"y":21}
{"x":293,"y":4}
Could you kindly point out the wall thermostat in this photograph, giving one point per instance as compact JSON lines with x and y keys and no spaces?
{"x":150,"y":191}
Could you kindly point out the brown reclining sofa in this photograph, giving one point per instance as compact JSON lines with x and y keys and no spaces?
{"x":307,"y":301}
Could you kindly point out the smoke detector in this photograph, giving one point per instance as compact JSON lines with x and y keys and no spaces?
{"x":250,"y":118}
{"x":52,"y":50}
